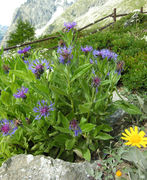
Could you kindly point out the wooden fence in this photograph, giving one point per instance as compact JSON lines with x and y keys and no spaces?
{"x":114,"y":15}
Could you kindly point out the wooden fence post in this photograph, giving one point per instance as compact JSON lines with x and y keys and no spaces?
{"x":141,"y":10}
{"x":114,"y":15}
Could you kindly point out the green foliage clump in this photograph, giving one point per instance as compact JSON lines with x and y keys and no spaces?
{"x":24,"y":32}
{"x":128,"y":43}
{"x":81,"y":92}
{"x":135,"y":76}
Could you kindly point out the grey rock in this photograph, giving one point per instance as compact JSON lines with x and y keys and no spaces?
{"x":29,"y":167}
{"x":119,"y":113}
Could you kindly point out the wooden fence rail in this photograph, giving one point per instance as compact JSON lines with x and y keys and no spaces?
{"x":114,"y":15}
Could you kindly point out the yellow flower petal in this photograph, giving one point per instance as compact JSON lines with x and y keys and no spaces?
{"x":144,"y":144}
{"x":136,"y":130}
{"x":142,"y":133}
{"x":125,"y":138}
{"x":137,"y":145}
{"x":128,"y":143}
{"x":127,"y":132}
{"x":132,"y":131}
{"x":124,"y":134}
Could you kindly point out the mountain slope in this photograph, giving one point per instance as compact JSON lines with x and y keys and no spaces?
{"x":3,"y":30}
{"x":91,"y":10}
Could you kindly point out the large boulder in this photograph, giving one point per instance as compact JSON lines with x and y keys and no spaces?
{"x":29,"y":167}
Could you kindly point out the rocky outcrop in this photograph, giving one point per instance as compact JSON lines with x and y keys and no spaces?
{"x":29,"y":167}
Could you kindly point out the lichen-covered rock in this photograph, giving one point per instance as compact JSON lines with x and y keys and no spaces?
{"x":29,"y":167}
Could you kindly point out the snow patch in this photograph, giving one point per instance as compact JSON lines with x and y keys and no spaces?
{"x":57,"y":13}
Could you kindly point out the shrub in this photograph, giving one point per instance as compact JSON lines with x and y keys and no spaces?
{"x":135,"y":77}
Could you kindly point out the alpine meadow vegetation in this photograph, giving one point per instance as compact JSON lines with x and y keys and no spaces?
{"x":57,"y":102}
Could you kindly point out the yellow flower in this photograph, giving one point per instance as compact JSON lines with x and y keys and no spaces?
{"x":118,"y":173}
{"x":134,"y":137}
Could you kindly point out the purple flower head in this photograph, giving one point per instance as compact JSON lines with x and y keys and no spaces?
{"x":96,"y":81}
{"x":21,"y":93}
{"x":43,"y":109}
{"x":87,"y":49}
{"x":26,"y":62}
{"x":74,"y":126}
{"x":120,"y":67}
{"x":24,"y":51}
{"x":38,"y":67}
{"x":65,"y":54}
{"x":91,"y":61}
{"x":108,"y":74}
{"x":69,"y":25}
{"x":7,"y":127}
{"x":105,"y":53}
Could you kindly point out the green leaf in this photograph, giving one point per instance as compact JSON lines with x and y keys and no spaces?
{"x":27,"y":76}
{"x":97,"y":129}
{"x":6,"y":97}
{"x":87,"y":127}
{"x":129,"y":108}
{"x":82,"y":121}
{"x":105,"y":82}
{"x":86,"y":154}
{"x":70,"y":143}
{"x":58,"y":90}
{"x":61,"y":129}
{"x":63,"y":120}
{"x":103,"y":136}
{"x":78,"y":152}
{"x":106,"y":128}
{"x":40,"y":89}
{"x":61,"y":139}
{"x":85,"y":108}
{"x":80,"y":71}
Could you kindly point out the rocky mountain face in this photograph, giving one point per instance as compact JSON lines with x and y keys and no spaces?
{"x":38,"y":12}
{"x":3,"y":30}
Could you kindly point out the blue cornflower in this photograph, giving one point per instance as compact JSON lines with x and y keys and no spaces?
{"x":65,"y":54}
{"x":43,"y":110}
{"x":91,"y":61}
{"x":87,"y":49}
{"x":7,"y":127}
{"x":21,"y":93}
{"x":119,"y":67}
{"x":108,"y":74}
{"x":38,"y":67}
{"x":74,"y":126}
{"x":26,"y":62}
{"x":96,"y":82}
{"x":69,"y":25}
{"x":105,"y":53}
{"x":24,"y":51}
